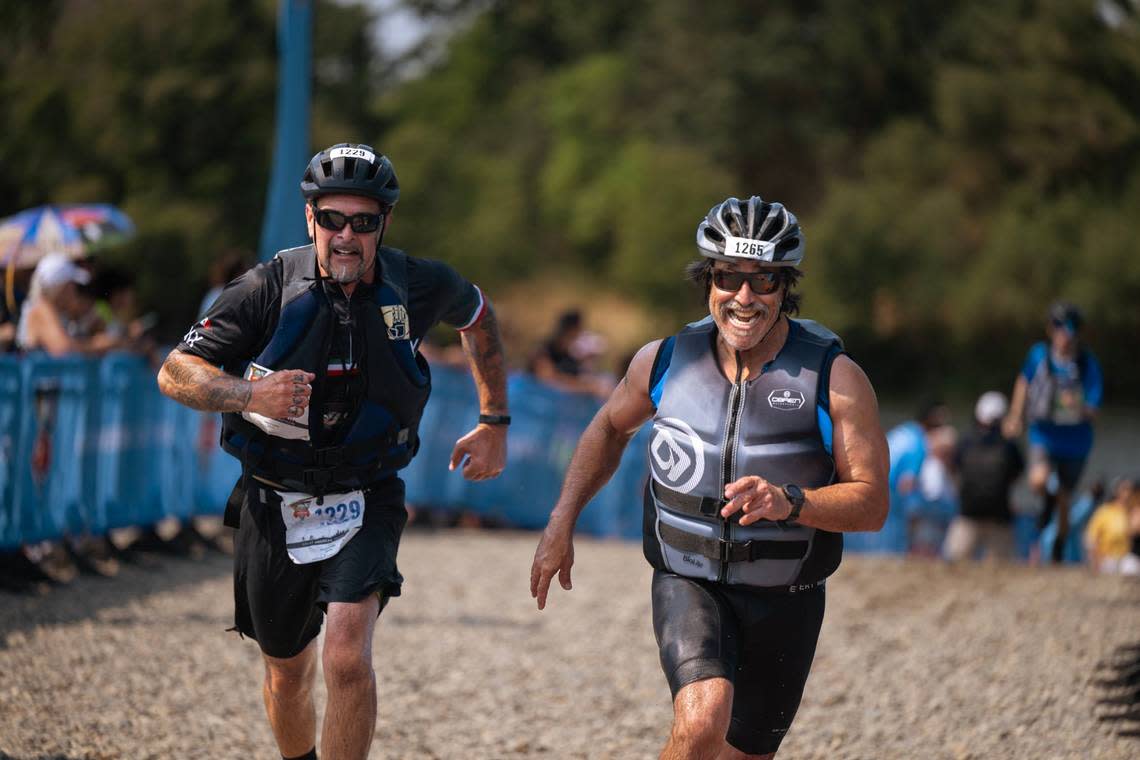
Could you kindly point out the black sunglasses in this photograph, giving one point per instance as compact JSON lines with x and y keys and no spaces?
{"x":334,"y":221}
{"x":762,"y":283}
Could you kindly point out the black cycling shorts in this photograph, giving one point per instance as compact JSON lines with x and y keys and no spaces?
{"x":1068,"y":469}
{"x":763,"y":642}
{"x":281,"y":604}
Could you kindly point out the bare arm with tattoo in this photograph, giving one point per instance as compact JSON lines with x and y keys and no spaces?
{"x":482,"y":453}
{"x":484,"y":349}
{"x":193,"y":381}
{"x":595,"y":460}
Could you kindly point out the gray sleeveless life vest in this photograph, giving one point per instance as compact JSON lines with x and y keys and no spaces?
{"x":1046,"y":390}
{"x":709,"y":431}
{"x":381,"y":435}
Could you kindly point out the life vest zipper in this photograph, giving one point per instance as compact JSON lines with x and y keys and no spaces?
{"x":728,"y":459}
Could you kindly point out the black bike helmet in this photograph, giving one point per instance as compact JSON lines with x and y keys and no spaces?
{"x":752,"y":230}
{"x":1065,"y":313}
{"x":352,"y":169}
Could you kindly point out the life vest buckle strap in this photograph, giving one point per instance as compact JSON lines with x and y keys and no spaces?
{"x":329,"y":456}
{"x":735,"y":551}
{"x":688,"y":504}
{"x":726,"y":550}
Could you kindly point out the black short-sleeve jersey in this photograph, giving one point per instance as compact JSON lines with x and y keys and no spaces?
{"x":242,"y":319}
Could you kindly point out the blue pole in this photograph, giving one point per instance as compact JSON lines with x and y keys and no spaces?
{"x":284,"y":222}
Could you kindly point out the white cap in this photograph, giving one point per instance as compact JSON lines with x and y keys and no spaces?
{"x":56,"y":269}
{"x":991,"y":407}
{"x":587,"y":345}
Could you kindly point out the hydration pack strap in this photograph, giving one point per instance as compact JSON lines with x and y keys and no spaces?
{"x":326,"y":467}
{"x":687,"y":504}
{"x":730,"y":551}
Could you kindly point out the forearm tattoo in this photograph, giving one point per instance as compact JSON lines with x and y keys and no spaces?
{"x":484,"y":350}
{"x":200,"y":385}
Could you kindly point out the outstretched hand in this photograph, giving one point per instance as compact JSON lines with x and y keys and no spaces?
{"x":482,"y":453}
{"x":555,"y":554}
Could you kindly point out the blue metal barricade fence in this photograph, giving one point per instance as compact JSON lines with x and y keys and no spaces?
{"x":91,"y":445}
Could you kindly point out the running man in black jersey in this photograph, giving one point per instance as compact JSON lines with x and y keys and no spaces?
{"x":312,"y":359}
{"x":766,"y":446}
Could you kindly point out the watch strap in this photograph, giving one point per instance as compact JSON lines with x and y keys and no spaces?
{"x":796,"y":498}
{"x":494,"y":419}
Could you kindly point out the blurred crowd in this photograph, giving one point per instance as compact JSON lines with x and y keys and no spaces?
{"x":955,"y":490}
{"x":73,"y":306}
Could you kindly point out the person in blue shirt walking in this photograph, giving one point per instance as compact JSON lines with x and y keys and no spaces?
{"x":1058,"y":391}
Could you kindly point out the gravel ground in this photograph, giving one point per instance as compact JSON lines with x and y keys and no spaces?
{"x":916,"y":660}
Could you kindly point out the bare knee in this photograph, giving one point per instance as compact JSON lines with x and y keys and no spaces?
{"x":701,"y":713}
{"x":292,"y":677}
{"x":347,"y":657}
{"x":1038,"y":478}
{"x":700,"y":737}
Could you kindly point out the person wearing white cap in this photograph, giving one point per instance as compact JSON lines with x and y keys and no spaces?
{"x":988,"y":465}
{"x":53,"y":300}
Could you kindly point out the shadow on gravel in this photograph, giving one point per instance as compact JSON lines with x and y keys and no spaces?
{"x":86,"y":596}
{"x":464,"y":621}
{"x":1119,"y":683}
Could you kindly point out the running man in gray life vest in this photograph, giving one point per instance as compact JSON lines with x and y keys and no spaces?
{"x":766,"y":446}
{"x":312,"y":358}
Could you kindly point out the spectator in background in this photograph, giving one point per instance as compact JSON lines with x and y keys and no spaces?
{"x":934,"y":501}
{"x":225,"y":269}
{"x":1113,"y":529}
{"x":907,"y":444}
{"x":988,"y":465}
{"x":56,"y":315}
{"x":117,"y":306}
{"x":1058,"y":390}
{"x":561,"y":361}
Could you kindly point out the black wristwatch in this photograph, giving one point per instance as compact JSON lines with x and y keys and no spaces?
{"x":795,"y":496}
{"x":494,"y":419}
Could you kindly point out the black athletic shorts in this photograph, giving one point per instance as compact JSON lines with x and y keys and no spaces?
{"x":281,"y":604}
{"x":763,"y":642}
{"x":1068,"y":469}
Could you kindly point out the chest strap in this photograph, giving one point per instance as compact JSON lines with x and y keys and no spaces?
{"x":686,"y":503}
{"x":722,"y":550}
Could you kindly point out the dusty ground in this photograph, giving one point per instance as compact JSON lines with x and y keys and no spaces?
{"x":916,"y":660}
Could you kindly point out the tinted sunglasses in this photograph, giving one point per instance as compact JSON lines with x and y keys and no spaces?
{"x":762,"y":283}
{"x":334,"y":221}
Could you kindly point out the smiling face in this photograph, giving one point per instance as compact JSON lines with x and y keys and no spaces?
{"x":746,"y":315}
{"x":343,"y":255}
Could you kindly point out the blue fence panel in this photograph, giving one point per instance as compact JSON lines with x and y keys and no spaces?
{"x":127,"y":484}
{"x":176,"y":466}
{"x":47,"y":494}
{"x":452,"y":411}
{"x":90,"y":445}
{"x":215,"y":471}
{"x":10,"y":422}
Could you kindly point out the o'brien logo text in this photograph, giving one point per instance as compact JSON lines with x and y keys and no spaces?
{"x":785,"y":399}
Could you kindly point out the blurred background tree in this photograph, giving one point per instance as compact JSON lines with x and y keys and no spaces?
{"x":956,"y":165}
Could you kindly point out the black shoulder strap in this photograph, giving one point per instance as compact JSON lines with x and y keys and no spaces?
{"x":394,"y":271}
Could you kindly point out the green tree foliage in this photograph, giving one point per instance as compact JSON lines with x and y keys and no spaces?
{"x":166,"y":110}
{"x":956,"y":165}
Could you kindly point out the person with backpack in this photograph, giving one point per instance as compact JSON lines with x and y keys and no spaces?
{"x":1058,"y":392}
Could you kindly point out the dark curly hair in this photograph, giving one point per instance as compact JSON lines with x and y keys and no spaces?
{"x":700,"y":272}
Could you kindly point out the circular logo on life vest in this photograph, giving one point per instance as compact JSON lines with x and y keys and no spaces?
{"x":677,"y":453}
